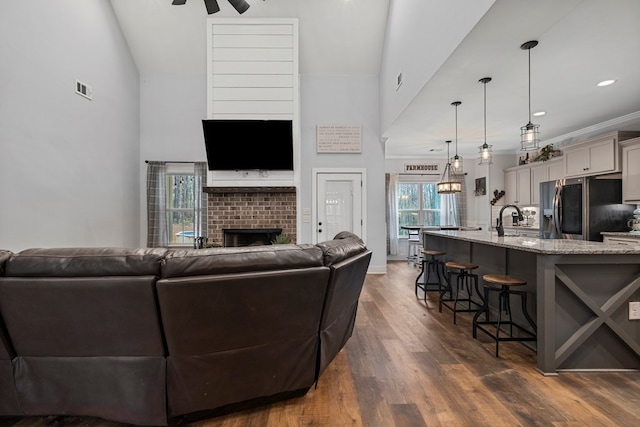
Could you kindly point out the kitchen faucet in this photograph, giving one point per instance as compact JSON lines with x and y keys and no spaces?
{"x":499,"y":227}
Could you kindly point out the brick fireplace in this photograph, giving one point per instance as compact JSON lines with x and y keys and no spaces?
{"x":250,"y":208}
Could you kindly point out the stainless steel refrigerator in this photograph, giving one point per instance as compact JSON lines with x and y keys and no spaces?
{"x":582,"y":208}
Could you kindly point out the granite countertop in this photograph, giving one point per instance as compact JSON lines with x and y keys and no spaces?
{"x":627,"y":234}
{"x":542,"y":246}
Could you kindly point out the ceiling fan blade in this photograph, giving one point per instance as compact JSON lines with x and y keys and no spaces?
{"x":240,"y":5}
{"x":212,"y":6}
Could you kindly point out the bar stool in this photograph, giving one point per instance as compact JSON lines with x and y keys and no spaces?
{"x":431,"y":265}
{"x":504,"y":291}
{"x":413,"y":246}
{"x":464,"y":275}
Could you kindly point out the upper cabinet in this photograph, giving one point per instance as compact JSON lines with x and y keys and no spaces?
{"x":522,"y":183}
{"x":546,"y":171}
{"x":597,"y":156}
{"x":631,"y":171}
{"x":517,"y":186}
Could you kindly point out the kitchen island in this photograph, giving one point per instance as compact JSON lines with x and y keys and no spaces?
{"x":582,"y":292}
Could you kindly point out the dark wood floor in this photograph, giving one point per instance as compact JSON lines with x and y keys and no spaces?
{"x":409,"y":365}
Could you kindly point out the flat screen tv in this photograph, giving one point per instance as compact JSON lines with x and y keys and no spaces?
{"x":248,"y":144}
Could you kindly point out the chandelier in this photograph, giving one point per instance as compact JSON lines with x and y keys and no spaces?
{"x":447,"y":185}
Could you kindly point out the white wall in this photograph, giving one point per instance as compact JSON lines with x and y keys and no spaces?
{"x":171,"y":111}
{"x":68,"y":166}
{"x":351,"y":100}
{"x":480,"y":212}
{"x":478,"y":207}
{"x":173,"y":106}
{"x":410,"y":48}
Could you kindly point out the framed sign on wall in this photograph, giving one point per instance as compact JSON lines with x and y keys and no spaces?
{"x":343,"y":139}
{"x":481,"y":186}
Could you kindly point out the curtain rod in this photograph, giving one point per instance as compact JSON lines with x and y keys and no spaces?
{"x":171,"y":161}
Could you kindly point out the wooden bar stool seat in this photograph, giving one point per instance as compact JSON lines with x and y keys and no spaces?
{"x":503,"y":285}
{"x":431,"y":264}
{"x":456,"y":303}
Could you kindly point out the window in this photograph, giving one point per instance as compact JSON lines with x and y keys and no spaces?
{"x":176,"y":204}
{"x":418,"y":204}
{"x":180,"y":208}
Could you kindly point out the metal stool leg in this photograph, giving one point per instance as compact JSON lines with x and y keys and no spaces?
{"x":515,"y":331}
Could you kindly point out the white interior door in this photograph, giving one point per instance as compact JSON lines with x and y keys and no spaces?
{"x":338,"y":204}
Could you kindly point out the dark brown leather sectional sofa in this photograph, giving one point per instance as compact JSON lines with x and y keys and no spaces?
{"x":147,"y":336}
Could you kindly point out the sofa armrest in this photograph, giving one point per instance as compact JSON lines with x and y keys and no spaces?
{"x":337,"y":250}
{"x":4,"y":257}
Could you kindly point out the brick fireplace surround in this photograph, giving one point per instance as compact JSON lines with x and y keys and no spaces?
{"x":250,"y":207}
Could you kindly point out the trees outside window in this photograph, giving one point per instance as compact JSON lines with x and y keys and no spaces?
{"x":418,"y":204}
{"x":180,"y":208}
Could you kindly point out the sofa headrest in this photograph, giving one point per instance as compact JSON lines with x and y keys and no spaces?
{"x":341,"y":248}
{"x":346,"y":235}
{"x":199,"y":262}
{"x":85,"y":262}
{"x":4,"y":256}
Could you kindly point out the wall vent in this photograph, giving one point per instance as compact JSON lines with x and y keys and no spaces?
{"x":83,"y":89}
{"x":399,"y":81}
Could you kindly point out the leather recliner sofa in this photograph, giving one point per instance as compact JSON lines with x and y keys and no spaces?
{"x":143,"y":336}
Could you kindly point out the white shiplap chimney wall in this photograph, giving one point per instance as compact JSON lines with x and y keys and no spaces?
{"x":253,"y":74}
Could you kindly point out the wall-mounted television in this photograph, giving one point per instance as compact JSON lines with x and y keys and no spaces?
{"x":248,"y":144}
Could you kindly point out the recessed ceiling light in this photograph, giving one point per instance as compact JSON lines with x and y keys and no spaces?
{"x":606,"y":83}
{"x":539,"y":113}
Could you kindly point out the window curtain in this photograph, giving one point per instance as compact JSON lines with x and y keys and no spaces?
{"x":391,"y":180}
{"x":453,"y":207}
{"x":200,"y":199}
{"x":157,"y":235}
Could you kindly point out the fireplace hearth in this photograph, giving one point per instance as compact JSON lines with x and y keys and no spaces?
{"x":234,"y":237}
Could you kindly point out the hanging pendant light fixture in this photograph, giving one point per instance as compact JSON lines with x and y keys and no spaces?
{"x":456,"y":161}
{"x":486,"y":157}
{"x":447,"y":185}
{"x":529,"y":133}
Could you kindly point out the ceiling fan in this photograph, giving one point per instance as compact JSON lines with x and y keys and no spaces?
{"x":212,"y":5}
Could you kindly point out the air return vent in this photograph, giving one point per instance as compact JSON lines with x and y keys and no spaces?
{"x":83,"y":89}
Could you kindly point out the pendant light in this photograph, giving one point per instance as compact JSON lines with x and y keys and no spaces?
{"x":486,"y":157}
{"x":446,"y":184}
{"x":456,"y":161}
{"x":529,"y":133}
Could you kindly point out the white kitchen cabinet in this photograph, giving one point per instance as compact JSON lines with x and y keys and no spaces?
{"x":555,"y":169}
{"x":597,"y":156}
{"x":528,"y":232}
{"x":626,"y":241}
{"x":550,"y":170}
{"x":591,"y":158}
{"x":517,"y":186}
{"x":631,"y":171}
{"x":510,"y":187}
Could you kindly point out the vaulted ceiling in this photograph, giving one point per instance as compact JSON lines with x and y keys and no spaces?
{"x":581,"y":42}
